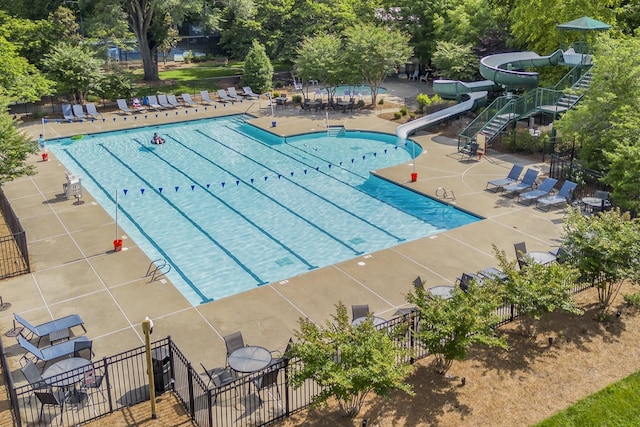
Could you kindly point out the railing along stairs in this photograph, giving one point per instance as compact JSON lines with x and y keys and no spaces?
{"x":506,"y":109}
{"x":157,"y":269}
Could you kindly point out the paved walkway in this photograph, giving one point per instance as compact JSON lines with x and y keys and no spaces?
{"x":76,"y":271}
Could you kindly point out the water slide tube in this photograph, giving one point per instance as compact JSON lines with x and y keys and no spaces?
{"x":475,"y":98}
{"x":452,"y":89}
{"x":502,"y":68}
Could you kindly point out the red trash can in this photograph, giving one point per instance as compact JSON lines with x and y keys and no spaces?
{"x":117,"y":245}
{"x":45,"y":157}
{"x":414,"y":177}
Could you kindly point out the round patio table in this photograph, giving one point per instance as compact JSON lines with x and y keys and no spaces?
{"x":540,"y":257}
{"x":249,"y":359}
{"x":444,"y":291}
{"x":66,"y":374}
{"x":376,"y":320}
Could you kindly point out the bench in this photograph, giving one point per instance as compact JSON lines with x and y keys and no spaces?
{"x":221,"y":61}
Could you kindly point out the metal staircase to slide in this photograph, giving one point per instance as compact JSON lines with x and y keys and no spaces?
{"x":506,"y":109}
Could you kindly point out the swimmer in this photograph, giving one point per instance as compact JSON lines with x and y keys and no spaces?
{"x":157,"y":139}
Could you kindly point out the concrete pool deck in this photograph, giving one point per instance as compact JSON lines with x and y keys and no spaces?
{"x":75,"y":270}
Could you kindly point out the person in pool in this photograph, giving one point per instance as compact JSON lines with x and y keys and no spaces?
{"x":157,"y":139}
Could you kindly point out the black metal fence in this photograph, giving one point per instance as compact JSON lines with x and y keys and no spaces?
{"x":121,"y":380}
{"x":14,"y":253}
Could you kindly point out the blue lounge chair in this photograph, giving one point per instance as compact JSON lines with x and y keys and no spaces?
{"x":527,"y":182}
{"x":50,"y":353}
{"x":564,"y":196}
{"x":45,"y":329}
{"x":513,"y":176}
{"x":67,"y":112}
{"x":543,"y":190}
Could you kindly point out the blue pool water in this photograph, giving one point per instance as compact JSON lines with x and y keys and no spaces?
{"x":232,"y":207}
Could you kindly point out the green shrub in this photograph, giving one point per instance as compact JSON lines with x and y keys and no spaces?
{"x":404,"y":111}
{"x":397,"y":115}
{"x":188,"y":57}
{"x":632,"y":299}
{"x":360,"y":103}
{"x":275,"y":94}
{"x":381,"y":102}
{"x":423,"y":100}
{"x":412,"y":115}
{"x":297,"y":99}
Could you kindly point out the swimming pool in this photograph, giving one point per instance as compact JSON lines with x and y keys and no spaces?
{"x":232,"y":207}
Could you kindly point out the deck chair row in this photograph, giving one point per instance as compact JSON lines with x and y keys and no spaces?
{"x":527,"y":190}
{"x":77,"y":111}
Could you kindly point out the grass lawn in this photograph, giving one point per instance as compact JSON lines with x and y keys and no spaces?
{"x":192,"y":78}
{"x":615,"y":405}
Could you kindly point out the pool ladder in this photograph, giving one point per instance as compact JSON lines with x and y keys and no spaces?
{"x":157,"y":269}
{"x":445,"y":194}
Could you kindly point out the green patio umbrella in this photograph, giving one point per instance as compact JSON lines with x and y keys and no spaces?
{"x":584,"y":24}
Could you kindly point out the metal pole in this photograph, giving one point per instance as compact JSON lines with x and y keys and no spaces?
{"x":146,"y":328}
{"x":116,"y":214}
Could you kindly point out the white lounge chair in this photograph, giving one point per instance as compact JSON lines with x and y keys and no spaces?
{"x":233,"y":94}
{"x":222,"y":96}
{"x":248,"y":92}
{"x":92,"y":111}
{"x":164,"y":102}
{"x":173,"y":101}
{"x":204,"y":96}
{"x":122,"y":106}
{"x":78,"y":111}
{"x":153,"y":103}
{"x":67,"y":113}
{"x":186,"y":98}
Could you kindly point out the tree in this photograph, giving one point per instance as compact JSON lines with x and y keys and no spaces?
{"x":348,"y":362}
{"x":375,"y":52}
{"x":148,"y":21}
{"x":607,"y":118}
{"x":19,"y":80}
{"x":624,"y":174}
{"x":537,"y":290}
{"x":258,"y":71}
{"x":321,"y":58}
{"x":449,"y":327}
{"x":75,"y":69}
{"x":533,"y":22}
{"x":14,"y":147}
{"x":456,"y":62}
{"x":605,"y":248}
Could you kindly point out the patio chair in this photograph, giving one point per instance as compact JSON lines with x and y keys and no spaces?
{"x":171,"y":99}
{"x":46,"y":328}
{"x":92,"y":381}
{"x":248,"y":92}
{"x":50,"y":353}
{"x":521,"y":253}
{"x":233,"y":94}
{"x":205,"y":98}
{"x":605,"y":204}
{"x":223,"y":97}
{"x":297,"y":87}
{"x":79,"y":112}
{"x":33,"y":377}
{"x":219,"y":377}
{"x":164,"y":102}
{"x":358,"y":311}
{"x":83,"y":349}
{"x":512,"y":177}
{"x":67,"y":112}
{"x":465,"y":280}
{"x":527,"y":182}
{"x":233,"y":342}
{"x":414,"y":76}
{"x":268,"y":382}
{"x":51,"y":398}
{"x":564,"y":196}
{"x":469,"y":151}
{"x":186,"y":98}
{"x":418,"y":283}
{"x":122,"y":106}
{"x":92,"y":111}
{"x":543,"y":190}
{"x":152,"y":102}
